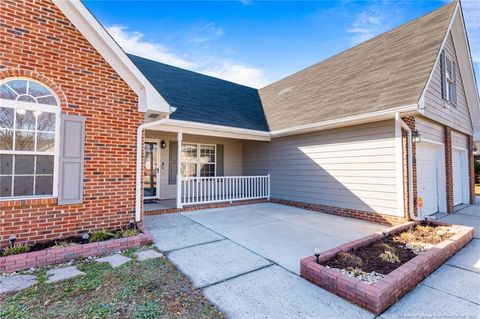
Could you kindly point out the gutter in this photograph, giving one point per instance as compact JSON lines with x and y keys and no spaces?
{"x":345,"y":121}
{"x":410,"y":166}
{"x":138,"y":182}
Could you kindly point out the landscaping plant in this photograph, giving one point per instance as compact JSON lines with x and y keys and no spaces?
{"x":15,"y":249}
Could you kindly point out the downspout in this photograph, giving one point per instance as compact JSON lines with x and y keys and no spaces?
{"x":138,"y":183}
{"x":411,"y":214}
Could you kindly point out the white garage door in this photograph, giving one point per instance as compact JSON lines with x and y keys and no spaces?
{"x":458,"y":168}
{"x":427,"y":179}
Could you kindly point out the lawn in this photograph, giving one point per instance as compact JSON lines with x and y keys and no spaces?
{"x":147,"y":289}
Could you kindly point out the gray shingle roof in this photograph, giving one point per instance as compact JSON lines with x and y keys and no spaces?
{"x":204,"y":99}
{"x":388,"y":71}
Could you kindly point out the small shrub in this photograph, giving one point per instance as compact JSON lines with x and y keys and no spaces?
{"x":406,"y":236}
{"x":101,"y":235}
{"x":386,"y":247}
{"x":390,"y":257}
{"x":62,"y":244}
{"x":16,"y":249}
{"x":128,"y":232}
{"x":350,"y":259}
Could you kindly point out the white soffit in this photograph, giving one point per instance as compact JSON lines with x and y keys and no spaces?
{"x":148,"y":97}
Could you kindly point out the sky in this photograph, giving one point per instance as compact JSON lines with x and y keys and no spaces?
{"x":256,"y":43}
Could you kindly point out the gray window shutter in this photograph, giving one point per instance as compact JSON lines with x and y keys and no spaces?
{"x":219,"y":160}
{"x":72,"y":150}
{"x":454,"y":86}
{"x":443,"y":68}
{"x":172,"y":162}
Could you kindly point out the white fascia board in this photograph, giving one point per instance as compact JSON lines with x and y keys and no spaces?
{"x":148,"y":97}
{"x":346,"y":121}
{"x":187,"y":127}
{"x":421,"y":101}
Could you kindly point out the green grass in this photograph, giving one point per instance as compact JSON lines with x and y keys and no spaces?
{"x":148,"y":289}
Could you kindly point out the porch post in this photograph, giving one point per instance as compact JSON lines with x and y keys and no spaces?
{"x":179,"y":169}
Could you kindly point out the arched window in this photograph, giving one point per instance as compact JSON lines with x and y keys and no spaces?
{"x":29,"y":119}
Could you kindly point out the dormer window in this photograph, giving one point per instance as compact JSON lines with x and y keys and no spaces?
{"x":448,"y":67}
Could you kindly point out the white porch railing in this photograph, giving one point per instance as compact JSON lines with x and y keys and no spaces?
{"x":202,"y":190}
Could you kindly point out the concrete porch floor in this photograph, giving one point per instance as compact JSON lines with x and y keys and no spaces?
{"x":246,"y":261}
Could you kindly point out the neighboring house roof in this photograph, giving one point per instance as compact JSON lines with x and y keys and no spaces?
{"x":386,"y":72}
{"x":204,"y":99}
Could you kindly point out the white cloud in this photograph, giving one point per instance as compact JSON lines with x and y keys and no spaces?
{"x":132,"y":42}
{"x":367,"y":25}
{"x":238,"y":73}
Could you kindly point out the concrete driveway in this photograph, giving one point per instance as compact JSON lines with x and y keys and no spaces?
{"x":246,"y":261}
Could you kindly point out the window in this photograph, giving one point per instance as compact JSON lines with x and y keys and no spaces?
{"x":28,"y":134}
{"x":198,"y":160}
{"x":448,"y":78}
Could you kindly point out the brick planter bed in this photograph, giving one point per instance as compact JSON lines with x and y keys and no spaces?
{"x":378,"y":296}
{"x":50,"y":256}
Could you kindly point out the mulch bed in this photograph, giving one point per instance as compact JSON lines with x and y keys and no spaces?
{"x":72,"y":240}
{"x":368,"y":259}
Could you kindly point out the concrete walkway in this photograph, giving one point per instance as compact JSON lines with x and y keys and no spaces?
{"x":246,"y":261}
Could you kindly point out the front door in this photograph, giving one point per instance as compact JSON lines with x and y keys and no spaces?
{"x":150,"y":171}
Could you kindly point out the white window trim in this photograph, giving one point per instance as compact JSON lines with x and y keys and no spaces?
{"x":197,"y":161}
{"x":57,"y":109}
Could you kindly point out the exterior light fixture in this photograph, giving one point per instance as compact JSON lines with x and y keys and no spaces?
{"x":163,"y":145}
{"x":12,"y":239}
{"x":317,"y":255}
{"x":85,"y":237}
{"x":417,"y":137}
{"x":384,"y":234}
{"x":475,"y":151}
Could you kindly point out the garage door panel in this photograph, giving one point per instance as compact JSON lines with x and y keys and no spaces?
{"x":429,"y":166}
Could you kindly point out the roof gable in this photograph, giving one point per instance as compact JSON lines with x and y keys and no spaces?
{"x":204,"y":99}
{"x":388,"y":71}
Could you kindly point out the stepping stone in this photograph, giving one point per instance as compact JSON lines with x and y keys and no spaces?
{"x":59,"y":274}
{"x":147,"y":254}
{"x":16,"y":283}
{"x":114,"y":260}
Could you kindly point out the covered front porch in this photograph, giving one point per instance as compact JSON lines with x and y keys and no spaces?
{"x":186,"y":166}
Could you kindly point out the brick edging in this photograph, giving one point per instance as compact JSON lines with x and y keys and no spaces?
{"x":204,"y":206}
{"x":50,"y":256}
{"x":344,"y":212}
{"x":380,"y":295}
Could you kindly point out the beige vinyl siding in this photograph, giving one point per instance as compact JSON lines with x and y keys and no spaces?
{"x":352,"y":167}
{"x":459,"y":140}
{"x":436,"y":108}
{"x":232,"y":150}
{"x":429,"y":130}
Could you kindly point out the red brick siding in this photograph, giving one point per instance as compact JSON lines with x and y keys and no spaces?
{"x":410,"y":121}
{"x":38,"y":41}
{"x":449,"y":169}
{"x":471,"y":170}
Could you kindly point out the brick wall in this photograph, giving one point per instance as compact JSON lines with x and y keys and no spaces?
{"x":449,"y":168}
{"x":410,"y":121}
{"x":38,"y":41}
{"x":345,"y":212}
{"x":471,"y":170}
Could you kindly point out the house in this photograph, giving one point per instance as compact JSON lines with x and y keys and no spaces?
{"x":383,"y":131}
